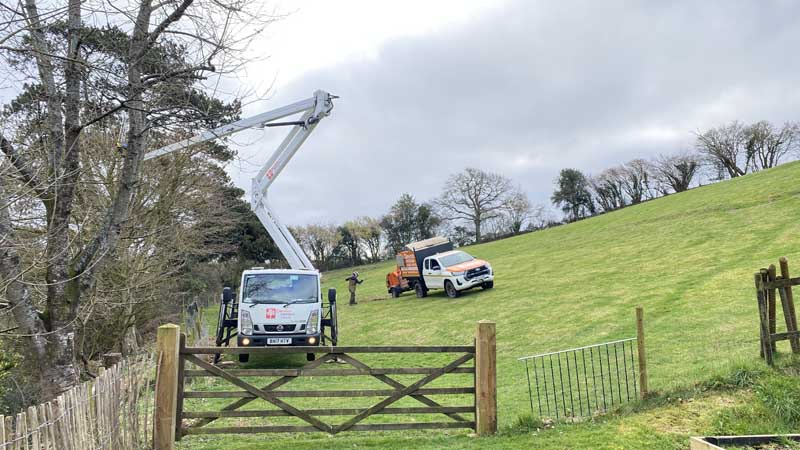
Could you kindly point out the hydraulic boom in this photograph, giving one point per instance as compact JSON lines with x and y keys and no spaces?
{"x":313,"y":110}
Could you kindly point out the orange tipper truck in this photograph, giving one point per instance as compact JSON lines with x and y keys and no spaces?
{"x":442,"y":267}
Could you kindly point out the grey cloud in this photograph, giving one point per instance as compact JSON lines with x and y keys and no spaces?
{"x":532,"y":88}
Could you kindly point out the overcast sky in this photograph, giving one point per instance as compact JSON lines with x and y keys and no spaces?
{"x":523,"y":88}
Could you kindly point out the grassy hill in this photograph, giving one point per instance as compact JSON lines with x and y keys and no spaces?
{"x":688,"y":259}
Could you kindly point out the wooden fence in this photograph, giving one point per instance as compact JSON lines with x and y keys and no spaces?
{"x":768,"y":282}
{"x":173,"y":420}
{"x":111,"y":411}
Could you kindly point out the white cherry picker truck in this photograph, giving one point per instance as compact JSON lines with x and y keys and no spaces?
{"x":275,"y":307}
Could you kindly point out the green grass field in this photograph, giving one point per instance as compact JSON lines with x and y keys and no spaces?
{"x":688,"y":259}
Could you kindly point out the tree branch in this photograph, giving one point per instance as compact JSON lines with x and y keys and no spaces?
{"x":169,"y":20}
{"x":22,"y":165}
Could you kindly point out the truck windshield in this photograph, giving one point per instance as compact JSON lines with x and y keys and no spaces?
{"x":280,"y":288}
{"x":455,"y":258}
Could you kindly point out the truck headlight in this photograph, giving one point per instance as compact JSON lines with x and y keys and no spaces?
{"x":246,"y":322}
{"x":458,"y":274}
{"x":312,"y":325}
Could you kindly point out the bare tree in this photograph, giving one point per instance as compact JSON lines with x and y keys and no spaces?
{"x":372,"y":237}
{"x":609,"y":189}
{"x":517,"y":210}
{"x":636,"y":180}
{"x":320,"y":241}
{"x":540,"y":217}
{"x":766,"y":146}
{"x":84,"y":65}
{"x":676,"y":172}
{"x":474,"y":196}
{"x":724,"y":148}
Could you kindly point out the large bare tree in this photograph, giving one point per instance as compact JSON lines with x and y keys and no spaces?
{"x":474,"y":196}
{"x":724,"y":149}
{"x":676,"y":172}
{"x":766,"y":145}
{"x":636,"y":176}
{"x":609,"y":189}
{"x":84,"y":65}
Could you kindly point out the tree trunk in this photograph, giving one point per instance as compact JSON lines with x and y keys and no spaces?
{"x":477,"y":222}
{"x":51,"y":348}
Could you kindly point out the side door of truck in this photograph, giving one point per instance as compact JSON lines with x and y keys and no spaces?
{"x":433,"y":274}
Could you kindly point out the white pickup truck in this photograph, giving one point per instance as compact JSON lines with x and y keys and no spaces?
{"x":433,"y":264}
{"x":456,"y":271}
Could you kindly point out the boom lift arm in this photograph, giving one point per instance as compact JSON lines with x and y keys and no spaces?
{"x":313,"y":110}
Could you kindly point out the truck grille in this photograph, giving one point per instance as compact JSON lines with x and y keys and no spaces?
{"x":280,"y":328}
{"x":476,"y":272}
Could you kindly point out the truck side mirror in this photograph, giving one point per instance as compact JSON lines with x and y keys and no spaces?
{"x":227,"y":295}
{"x":332,"y":295}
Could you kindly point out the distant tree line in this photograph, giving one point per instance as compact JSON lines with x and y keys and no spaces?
{"x":727,"y":151}
{"x":475,"y":206}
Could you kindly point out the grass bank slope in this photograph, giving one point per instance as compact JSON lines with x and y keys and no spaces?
{"x":688,"y":259}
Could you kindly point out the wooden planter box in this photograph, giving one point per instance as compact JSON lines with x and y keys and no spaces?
{"x":722,"y":442}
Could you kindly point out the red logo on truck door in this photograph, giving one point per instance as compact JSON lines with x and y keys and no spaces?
{"x":271,"y":313}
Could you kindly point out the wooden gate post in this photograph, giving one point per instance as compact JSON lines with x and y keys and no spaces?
{"x":485,"y":378}
{"x":788,"y":306}
{"x":166,"y":393}
{"x":643,"y":390}
{"x":763,"y":318}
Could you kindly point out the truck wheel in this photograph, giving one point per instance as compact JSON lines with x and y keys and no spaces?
{"x":310,"y":356}
{"x":488,"y":285}
{"x":244,"y":357}
{"x":421,"y":291}
{"x":450,"y":289}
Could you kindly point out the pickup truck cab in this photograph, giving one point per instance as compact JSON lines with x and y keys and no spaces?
{"x":456,"y":271}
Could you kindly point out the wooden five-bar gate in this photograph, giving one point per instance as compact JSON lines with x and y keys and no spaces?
{"x":174,"y":420}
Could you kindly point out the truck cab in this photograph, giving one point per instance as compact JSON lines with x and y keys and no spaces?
{"x":279,"y":307}
{"x":456,"y":271}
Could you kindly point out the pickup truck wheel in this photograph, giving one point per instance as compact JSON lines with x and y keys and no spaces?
{"x":310,"y":356}
{"x":244,"y":357}
{"x":488,"y":285}
{"x":450,"y":289}
{"x":421,"y":291}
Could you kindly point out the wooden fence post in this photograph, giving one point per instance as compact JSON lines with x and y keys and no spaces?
{"x":763,"y":318}
{"x":485,"y":378}
{"x":643,"y":390}
{"x":788,"y":307}
{"x":772,"y":276}
{"x":166,"y":392}
{"x":179,"y":404}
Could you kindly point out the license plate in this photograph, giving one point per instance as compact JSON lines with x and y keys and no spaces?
{"x":279,"y":341}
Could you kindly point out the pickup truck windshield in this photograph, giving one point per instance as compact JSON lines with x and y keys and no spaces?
{"x":280,"y":288}
{"x":455,"y":258}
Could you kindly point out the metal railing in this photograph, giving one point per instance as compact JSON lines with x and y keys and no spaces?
{"x":584,"y":381}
